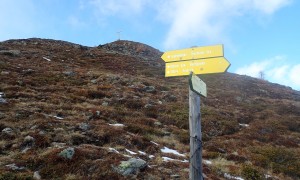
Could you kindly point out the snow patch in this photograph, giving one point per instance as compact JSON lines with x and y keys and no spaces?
{"x":57,"y":117}
{"x":207,"y":162}
{"x":154,"y":143}
{"x":113,"y":150}
{"x":172,"y":151}
{"x":167,"y":159}
{"x":244,"y":125}
{"x":47,"y":59}
{"x":151,"y":156}
{"x":228,"y":176}
{"x":117,"y":125}
{"x":142,"y":153}
{"x":267,"y":176}
{"x":130,"y":152}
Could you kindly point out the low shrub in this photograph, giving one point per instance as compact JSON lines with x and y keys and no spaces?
{"x":251,"y":173}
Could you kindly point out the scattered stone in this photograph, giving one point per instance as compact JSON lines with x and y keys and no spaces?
{"x":149,"y":89}
{"x":84,"y":126}
{"x":58,"y":130}
{"x":148,"y":106}
{"x":25,"y":150}
{"x":36,"y":175}
{"x":238,"y":99}
{"x":2,"y":101}
{"x":175,"y":176}
{"x":7,"y":131}
{"x":29,"y":140}
{"x":67,"y":153}
{"x":244,"y":125}
{"x":15,"y":167}
{"x":14,"y":53}
{"x":105,"y":103}
{"x":132,"y":166}
{"x":4,"y":73}
{"x":94,"y":81}
{"x":58,"y":145}
{"x":157,"y":123}
{"x":170,"y":98}
{"x":21,"y":83}
{"x":34,"y":127}
{"x":166,"y":133}
{"x":28,"y":71}
{"x":69,"y":73}
{"x":2,"y":95}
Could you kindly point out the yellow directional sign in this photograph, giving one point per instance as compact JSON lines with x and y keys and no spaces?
{"x":197,"y":85}
{"x":193,"y":53}
{"x":201,"y":66}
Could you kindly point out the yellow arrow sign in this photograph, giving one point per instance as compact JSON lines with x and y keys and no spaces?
{"x":193,"y":53}
{"x":201,"y":66}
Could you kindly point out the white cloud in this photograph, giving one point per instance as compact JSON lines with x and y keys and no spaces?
{"x":253,"y":69}
{"x":276,"y":70}
{"x":279,"y":72}
{"x":207,"y":19}
{"x":270,"y":6}
{"x":294,"y":75}
{"x":188,"y":20}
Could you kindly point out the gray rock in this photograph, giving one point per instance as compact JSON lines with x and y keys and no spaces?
{"x":28,"y":139}
{"x":69,"y":73}
{"x":36,"y":175}
{"x":170,"y":98}
{"x":94,"y":81}
{"x":105,"y":103}
{"x":175,"y":176}
{"x":10,"y":52}
{"x":157,"y":123}
{"x":2,"y":101}
{"x":148,"y":106}
{"x":34,"y":127}
{"x":132,"y":166}
{"x":149,"y":89}
{"x":15,"y":167}
{"x":58,"y":145}
{"x":2,"y":95}
{"x":84,"y":126}
{"x":4,"y":73}
{"x":25,"y":150}
{"x":28,"y":71}
{"x":7,"y":131}
{"x":166,"y":133}
{"x":238,"y":99}
{"x":67,"y":153}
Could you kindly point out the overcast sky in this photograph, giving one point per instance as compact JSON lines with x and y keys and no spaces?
{"x":258,"y":35}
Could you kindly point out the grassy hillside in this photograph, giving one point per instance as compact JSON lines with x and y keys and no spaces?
{"x":112,"y":102}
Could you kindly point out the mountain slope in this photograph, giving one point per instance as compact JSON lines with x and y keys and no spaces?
{"x":111,"y":101}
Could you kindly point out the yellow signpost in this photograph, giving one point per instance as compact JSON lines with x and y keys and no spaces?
{"x":193,"y":53}
{"x":201,"y":66}
{"x":198,"y":60}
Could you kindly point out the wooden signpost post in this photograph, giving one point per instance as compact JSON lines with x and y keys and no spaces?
{"x":198,"y":60}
